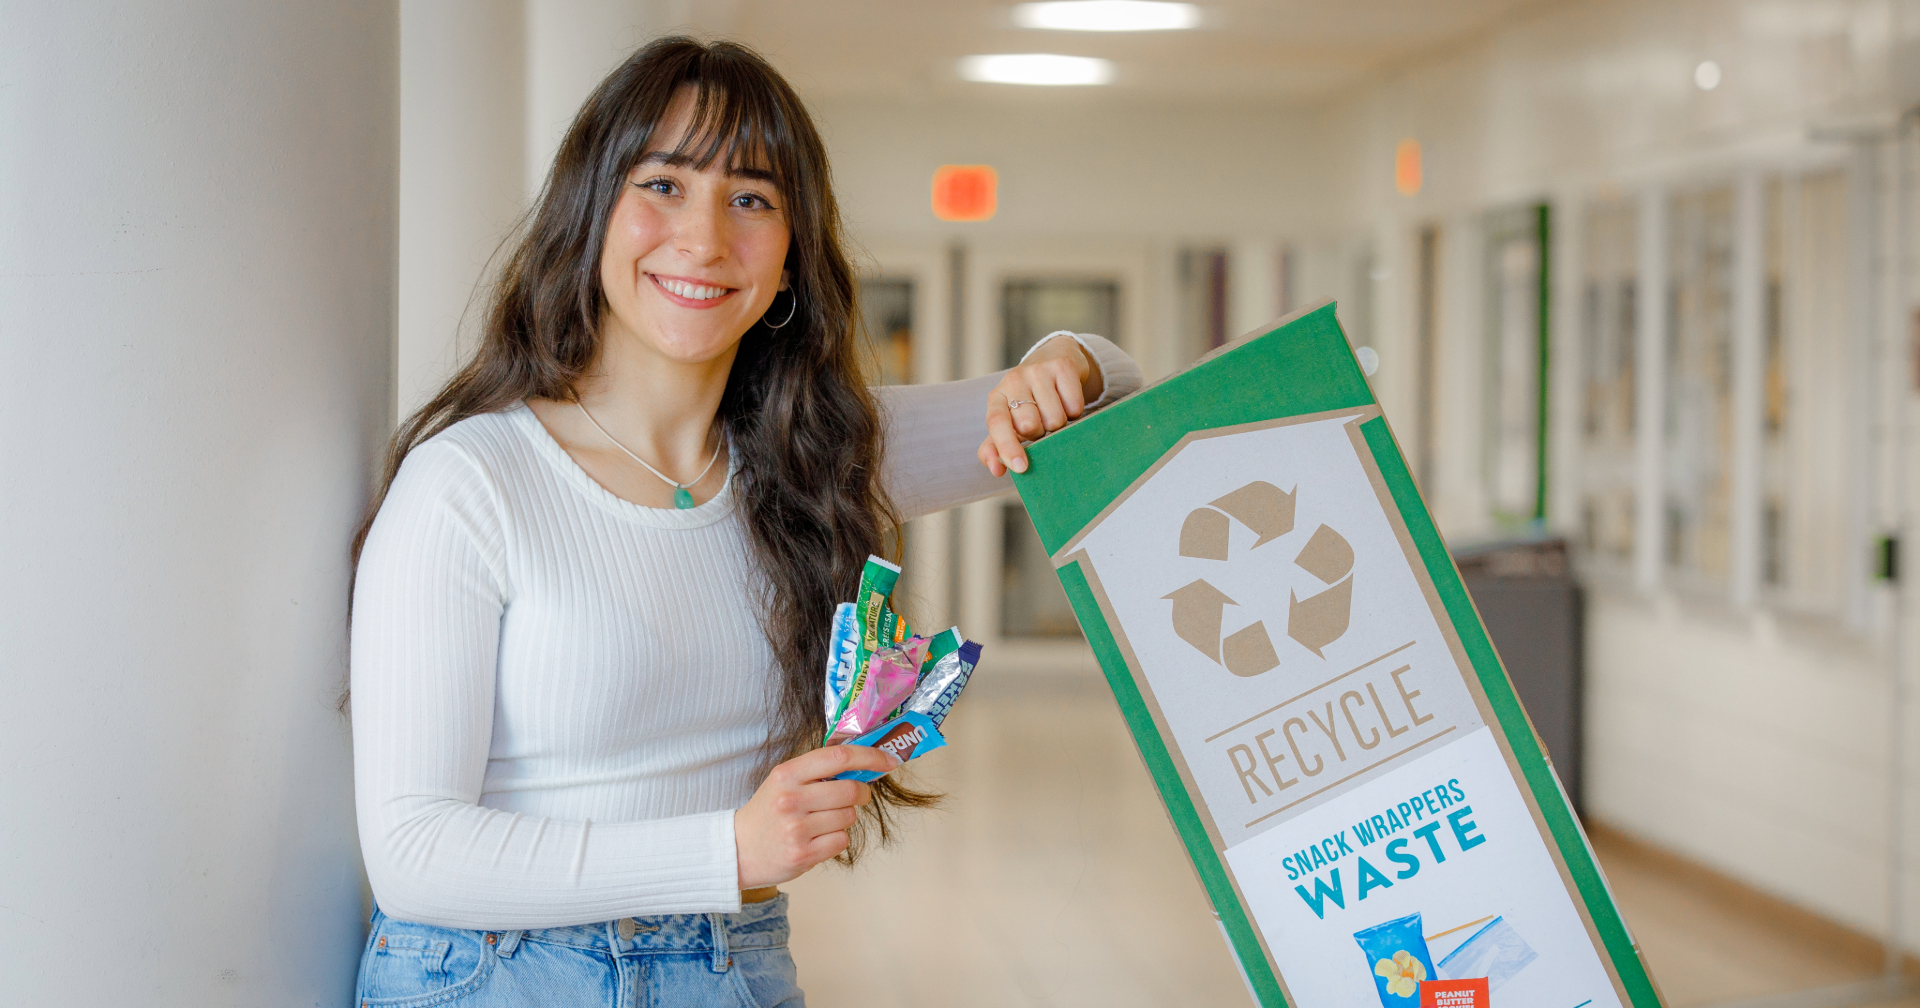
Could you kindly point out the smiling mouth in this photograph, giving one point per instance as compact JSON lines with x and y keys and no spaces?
{"x":688,"y":290}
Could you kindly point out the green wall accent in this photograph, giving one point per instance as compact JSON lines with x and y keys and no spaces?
{"x":1543,"y":233}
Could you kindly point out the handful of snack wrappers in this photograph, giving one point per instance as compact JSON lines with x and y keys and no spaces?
{"x":887,"y":687}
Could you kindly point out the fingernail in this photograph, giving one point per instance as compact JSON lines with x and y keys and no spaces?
{"x":1019,"y":465}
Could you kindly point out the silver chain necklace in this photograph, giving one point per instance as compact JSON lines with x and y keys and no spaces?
{"x":682,"y":492}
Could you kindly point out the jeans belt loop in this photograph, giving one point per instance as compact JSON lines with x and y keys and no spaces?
{"x":722,"y":955}
{"x":509,"y":941}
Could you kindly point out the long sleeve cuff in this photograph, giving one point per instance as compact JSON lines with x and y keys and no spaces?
{"x":1120,"y":376}
{"x":465,"y":866}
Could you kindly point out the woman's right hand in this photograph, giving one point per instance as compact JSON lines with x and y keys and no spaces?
{"x":799,"y":818}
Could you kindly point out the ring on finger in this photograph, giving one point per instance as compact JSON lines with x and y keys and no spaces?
{"x":1017,"y":403}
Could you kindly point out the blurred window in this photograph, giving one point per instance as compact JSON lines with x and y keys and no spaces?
{"x":1804,"y":517}
{"x":886,"y":358}
{"x":1032,"y":605}
{"x":1426,"y":356}
{"x":1031,"y":309}
{"x":1515,"y":294}
{"x":1773,"y":444}
{"x":1203,"y":302}
{"x":1606,"y":410}
{"x":1699,"y":406}
{"x":886,"y":330}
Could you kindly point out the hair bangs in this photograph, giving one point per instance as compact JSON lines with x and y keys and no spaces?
{"x":736,"y":121}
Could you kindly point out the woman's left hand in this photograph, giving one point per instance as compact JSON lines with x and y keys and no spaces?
{"x":1048,"y":389}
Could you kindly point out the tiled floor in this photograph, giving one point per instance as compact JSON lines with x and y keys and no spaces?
{"x":1052,"y":877}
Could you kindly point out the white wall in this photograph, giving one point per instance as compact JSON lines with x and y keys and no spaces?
{"x":463,"y":176}
{"x":487,"y":90}
{"x":1080,"y":165}
{"x":197,"y":272}
{"x":570,"y":46}
{"x":1761,"y":751}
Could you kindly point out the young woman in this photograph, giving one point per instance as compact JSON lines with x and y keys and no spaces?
{"x":585,"y":692}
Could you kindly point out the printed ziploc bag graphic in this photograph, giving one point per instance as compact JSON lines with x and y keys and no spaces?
{"x":1311,"y":689}
{"x":1496,"y":952}
{"x":1398,"y":955}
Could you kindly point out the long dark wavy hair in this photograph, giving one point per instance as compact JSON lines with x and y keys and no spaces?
{"x":805,"y":432}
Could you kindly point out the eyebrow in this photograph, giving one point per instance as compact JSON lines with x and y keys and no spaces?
{"x":675,"y":160}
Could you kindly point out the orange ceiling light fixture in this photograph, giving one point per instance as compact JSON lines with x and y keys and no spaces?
{"x":965,"y":192}
{"x":1406,"y":167}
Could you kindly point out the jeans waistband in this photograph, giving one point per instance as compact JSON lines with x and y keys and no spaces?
{"x":756,"y":926}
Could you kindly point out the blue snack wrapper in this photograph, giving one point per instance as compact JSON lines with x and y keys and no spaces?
{"x":1398,"y":959}
{"x":942,"y":683}
{"x":906,"y":736}
{"x":842,"y":655}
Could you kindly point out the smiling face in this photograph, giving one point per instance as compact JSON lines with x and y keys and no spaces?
{"x":693,"y":256}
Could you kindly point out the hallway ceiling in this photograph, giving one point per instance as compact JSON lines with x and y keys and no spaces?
{"x":1285,"y":51}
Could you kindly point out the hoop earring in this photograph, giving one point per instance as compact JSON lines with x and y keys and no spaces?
{"x":792,"y":307}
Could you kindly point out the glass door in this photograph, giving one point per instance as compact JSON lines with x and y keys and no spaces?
{"x":1515,"y":413}
{"x":1016,"y":294}
{"x":1032,"y":606}
{"x":906,"y":308}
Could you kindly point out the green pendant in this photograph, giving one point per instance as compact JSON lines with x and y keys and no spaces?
{"x":682,"y":497}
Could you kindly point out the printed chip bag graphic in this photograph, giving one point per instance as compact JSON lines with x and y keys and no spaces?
{"x":1397,"y":954}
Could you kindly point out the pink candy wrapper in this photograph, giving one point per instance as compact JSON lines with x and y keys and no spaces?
{"x":892,"y":673}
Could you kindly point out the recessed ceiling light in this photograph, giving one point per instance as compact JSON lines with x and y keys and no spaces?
{"x":1107,"y":15}
{"x":1036,"y":68}
{"x":1706,"y":76}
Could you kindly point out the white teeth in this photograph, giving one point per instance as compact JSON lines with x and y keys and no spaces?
{"x":687,"y":290}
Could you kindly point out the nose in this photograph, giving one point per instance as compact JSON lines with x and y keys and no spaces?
{"x":701,"y":234}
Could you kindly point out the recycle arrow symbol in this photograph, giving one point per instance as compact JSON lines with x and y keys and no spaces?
{"x":1314,"y":622}
{"x":1197,"y":610}
{"x":1260,"y":506}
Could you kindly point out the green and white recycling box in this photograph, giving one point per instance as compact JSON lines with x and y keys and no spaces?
{"x":1315,"y":696}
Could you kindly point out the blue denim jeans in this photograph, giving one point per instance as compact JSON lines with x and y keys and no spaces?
{"x":640,"y":962}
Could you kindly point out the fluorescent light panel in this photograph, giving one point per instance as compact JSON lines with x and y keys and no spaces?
{"x":1036,"y":68}
{"x":1107,"y":15}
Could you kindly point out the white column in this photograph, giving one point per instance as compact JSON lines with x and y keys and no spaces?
{"x":462,"y":176}
{"x":571,"y":46}
{"x":1650,"y":391}
{"x":1565,"y":374}
{"x":1253,"y":285}
{"x":1749,"y":379}
{"x":197,"y":271}
{"x":1863,"y":236}
{"x":1459,"y":494}
{"x":1390,"y":285}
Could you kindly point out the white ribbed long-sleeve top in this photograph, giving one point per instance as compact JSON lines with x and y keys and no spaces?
{"x":560,"y":697}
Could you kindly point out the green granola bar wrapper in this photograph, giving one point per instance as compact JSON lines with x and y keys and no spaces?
{"x":876,"y":626}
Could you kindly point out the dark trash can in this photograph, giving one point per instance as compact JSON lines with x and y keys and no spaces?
{"x":1533,"y":607}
